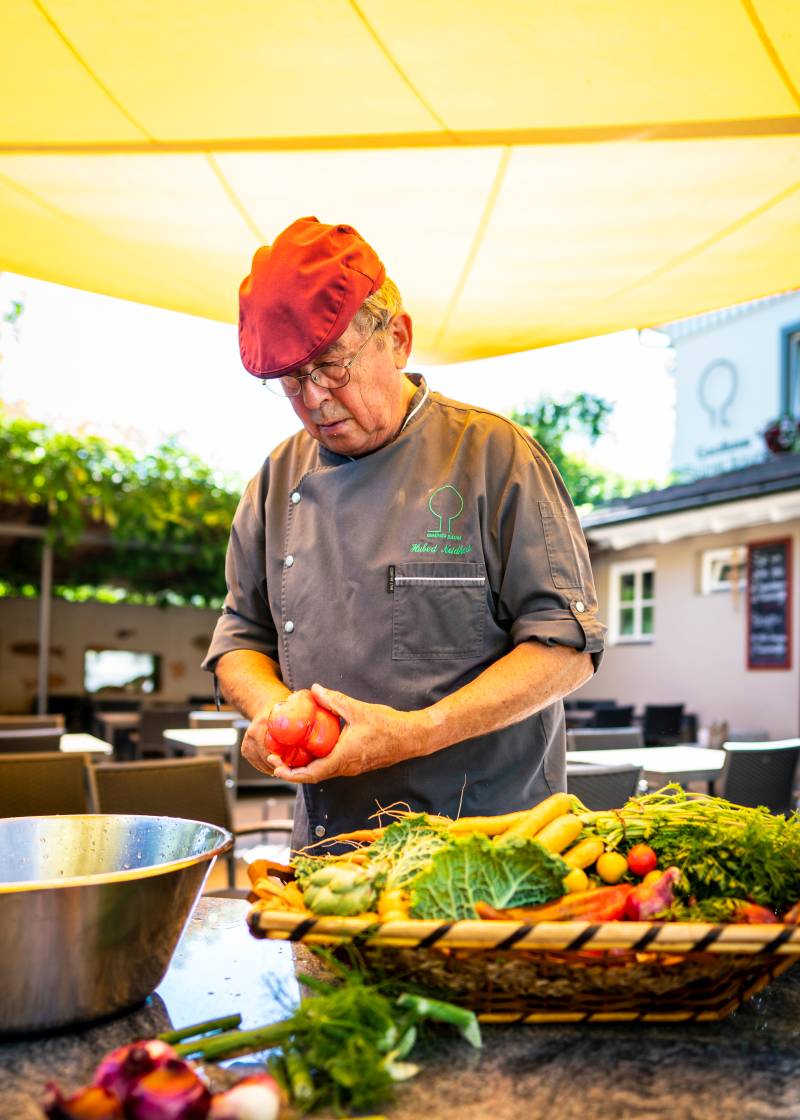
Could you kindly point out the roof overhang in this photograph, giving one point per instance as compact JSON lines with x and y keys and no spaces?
{"x":771,"y":509}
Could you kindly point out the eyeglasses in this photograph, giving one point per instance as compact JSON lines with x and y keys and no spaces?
{"x":328,"y":375}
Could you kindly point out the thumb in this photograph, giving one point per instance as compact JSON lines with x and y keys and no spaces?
{"x":334,"y":701}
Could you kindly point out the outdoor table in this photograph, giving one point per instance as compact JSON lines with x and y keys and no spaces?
{"x":205,"y":740}
{"x":660,"y":764}
{"x":745,"y":1066}
{"x":84,"y":744}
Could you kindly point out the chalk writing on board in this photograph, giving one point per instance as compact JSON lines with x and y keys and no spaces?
{"x":769,"y":605}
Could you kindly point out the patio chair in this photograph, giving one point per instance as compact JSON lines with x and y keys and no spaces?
{"x":30,"y":723}
{"x":603,"y":787}
{"x":582,"y":705}
{"x":604,"y":739}
{"x":30,"y":739}
{"x":663,"y":725}
{"x":213,"y":719}
{"x":45,"y":783}
{"x":149,"y":737}
{"x":613,"y":717}
{"x":195,"y":788}
{"x":760,"y":774}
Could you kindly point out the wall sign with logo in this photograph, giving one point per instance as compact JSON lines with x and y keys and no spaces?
{"x":769,"y":604}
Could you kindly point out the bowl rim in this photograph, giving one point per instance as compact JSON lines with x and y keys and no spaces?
{"x":101,"y":878}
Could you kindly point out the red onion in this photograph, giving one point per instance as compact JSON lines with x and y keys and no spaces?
{"x":91,"y":1103}
{"x":120,"y":1070}
{"x":253,"y":1098}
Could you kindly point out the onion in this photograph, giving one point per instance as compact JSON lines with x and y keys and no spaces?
{"x":253,"y":1098}
{"x":172,"y":1091}
{"x":120,"y":1070}
{"x":91,"y":1103}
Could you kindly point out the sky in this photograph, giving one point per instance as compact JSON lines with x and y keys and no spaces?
{"x":138,"y":374}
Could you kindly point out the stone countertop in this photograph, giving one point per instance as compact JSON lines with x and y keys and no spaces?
{"x":747,"y":1066}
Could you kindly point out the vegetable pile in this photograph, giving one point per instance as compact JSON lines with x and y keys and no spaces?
{"x":343,"y":1049}
{"x":669,"y":855}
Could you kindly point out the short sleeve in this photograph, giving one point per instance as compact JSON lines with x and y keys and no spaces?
{"x":543,"y":584}
{"x":246,"y":621}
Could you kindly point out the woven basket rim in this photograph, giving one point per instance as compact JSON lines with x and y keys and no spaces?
{"x":659,"y":937}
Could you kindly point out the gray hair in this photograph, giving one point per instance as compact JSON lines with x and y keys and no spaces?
{"x":377,"y":310}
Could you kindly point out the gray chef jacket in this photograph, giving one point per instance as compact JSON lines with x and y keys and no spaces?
{"x":398,"y":577}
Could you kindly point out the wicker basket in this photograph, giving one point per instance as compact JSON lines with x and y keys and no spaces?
{"x":562,"y":971}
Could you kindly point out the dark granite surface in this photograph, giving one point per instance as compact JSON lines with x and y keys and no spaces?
{"x":746,"y":1067}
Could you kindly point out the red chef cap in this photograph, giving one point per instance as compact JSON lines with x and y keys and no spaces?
{"x":302,"y":293}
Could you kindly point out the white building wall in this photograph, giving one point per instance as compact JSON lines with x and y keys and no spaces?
{"x":179,"y":634}
{"x":699,"y":655}
{"x":727,"y":382}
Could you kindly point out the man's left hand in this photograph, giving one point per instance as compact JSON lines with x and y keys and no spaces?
{"x":374,"y":736}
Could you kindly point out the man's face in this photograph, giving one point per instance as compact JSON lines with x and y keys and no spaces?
{"x":367,"y":412}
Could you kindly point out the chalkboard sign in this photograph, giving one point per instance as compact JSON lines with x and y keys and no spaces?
{"x":769,"y":604}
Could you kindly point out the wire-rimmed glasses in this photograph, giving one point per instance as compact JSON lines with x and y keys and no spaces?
{"x":328,"y":375}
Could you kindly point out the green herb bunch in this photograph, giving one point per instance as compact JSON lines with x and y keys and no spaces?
{"x":725,"y":852}
{"x":345,"y":1046}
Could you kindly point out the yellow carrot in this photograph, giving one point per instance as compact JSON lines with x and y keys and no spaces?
{"x":489,"y":826}
{"x":560,"y":833}
{"x":584,"y":853}
{"x":536,"y":818}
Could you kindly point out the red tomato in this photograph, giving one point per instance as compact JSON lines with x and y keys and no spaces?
{"x":290,"y":719}
{"x":296,"y":756}
{"x":271,"y":744}
{"x":323,"y":734}
{"x":641,"y":859}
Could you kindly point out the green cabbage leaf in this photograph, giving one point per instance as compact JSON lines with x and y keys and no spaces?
{"x":472,"y":869}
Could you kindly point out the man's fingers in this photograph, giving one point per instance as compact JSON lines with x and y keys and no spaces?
{"x":335,"y":701}
{"x":316,"y":771}
{"x":254,"y":756}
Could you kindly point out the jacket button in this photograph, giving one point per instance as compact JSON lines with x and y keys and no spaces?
{"x":288,"y":627}
{"x":579,"y":607}
{"x":289,"y":561}
{"x":295,"y":497}
{"x":319,"y":830}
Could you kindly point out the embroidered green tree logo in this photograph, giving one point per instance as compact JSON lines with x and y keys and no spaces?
{"x":445,"y":503}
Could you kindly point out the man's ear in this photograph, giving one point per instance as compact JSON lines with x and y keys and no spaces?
{"x":402,"y":334}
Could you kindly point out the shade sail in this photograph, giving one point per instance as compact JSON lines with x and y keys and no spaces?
{"x":530,"y":172}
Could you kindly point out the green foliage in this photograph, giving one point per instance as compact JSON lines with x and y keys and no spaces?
{"x":550,"y":422}
{"x":164,"y":516}
{"x":723,"y":851}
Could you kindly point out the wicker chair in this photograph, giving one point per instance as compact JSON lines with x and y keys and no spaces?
{"x":30,"y":739}
{"x":760,"y":774}
{"x":195,"y":788}
{"x":613,"y":717}
{"x":45,"y":783}
{"x":30,"y":723}
{"x":603,"y":787}
{"x":663,"y":725}
{"x":604,"y":739}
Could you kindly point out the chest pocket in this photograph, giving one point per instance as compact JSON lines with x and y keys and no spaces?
{"x":439,"y":610}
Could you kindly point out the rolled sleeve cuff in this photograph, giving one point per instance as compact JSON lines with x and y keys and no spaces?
{"x":579,"y":628}
{"x":233,"y":631}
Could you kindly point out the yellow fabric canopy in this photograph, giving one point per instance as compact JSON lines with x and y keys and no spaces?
{"x":530,"y":172}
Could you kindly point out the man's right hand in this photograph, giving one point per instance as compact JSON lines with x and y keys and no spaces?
{"x":253,"y":748}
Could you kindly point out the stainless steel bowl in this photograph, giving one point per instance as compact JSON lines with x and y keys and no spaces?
{"x":92,"y":909}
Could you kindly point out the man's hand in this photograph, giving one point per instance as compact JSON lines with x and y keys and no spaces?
{"x":253,"y":743}
{"x":374,"y":736}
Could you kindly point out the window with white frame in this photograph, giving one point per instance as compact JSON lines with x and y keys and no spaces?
{"x":723,"y":569}
{"x":633,"y":598}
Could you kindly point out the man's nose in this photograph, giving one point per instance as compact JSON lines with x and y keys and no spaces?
{"x":313,"y":394}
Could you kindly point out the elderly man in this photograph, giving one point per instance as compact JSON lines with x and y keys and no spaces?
{"x":415,"y":561}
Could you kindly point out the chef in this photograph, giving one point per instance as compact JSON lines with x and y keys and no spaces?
{"x":415,"y":560}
